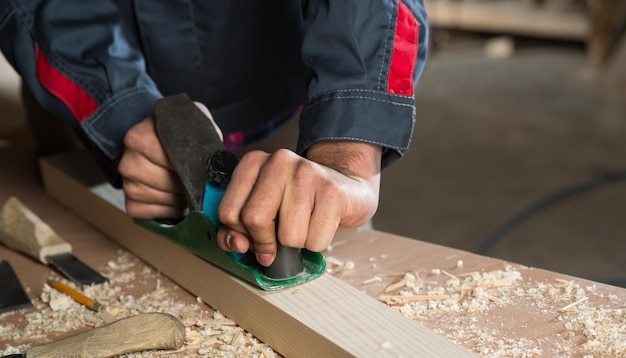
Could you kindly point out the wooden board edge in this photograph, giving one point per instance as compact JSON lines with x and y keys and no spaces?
{"x":325,"y":317}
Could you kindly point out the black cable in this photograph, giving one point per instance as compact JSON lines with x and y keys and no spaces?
{"x":552,"y":199}
{"x":619,"y":282}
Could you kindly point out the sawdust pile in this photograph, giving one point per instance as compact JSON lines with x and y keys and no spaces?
{"x":473,"y":309}
{"x":470,"y":292}
{"x":208,"y":333}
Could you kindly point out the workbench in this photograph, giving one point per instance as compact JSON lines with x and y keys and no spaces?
{"x":490,"y":307}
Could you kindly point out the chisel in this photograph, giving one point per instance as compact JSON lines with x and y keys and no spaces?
{"x":22,"y":230}
{"x":12,"y":295}
{"x":142,"y":332}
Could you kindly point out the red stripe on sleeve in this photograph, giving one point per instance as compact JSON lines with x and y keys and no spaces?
{"x":75,"y":98}
{"x":404,"y":53}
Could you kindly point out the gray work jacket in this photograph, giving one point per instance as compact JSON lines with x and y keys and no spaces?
{"x":101,"y":64}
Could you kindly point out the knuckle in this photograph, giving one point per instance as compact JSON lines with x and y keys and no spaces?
{"x":134,"y":209}
{"x":131,"y":190}
{"x":291,"y":241}
{"x":124,"y":166}
{"x":254,"y":156}
{"x":316,"y":245}
{"x":264,"y":247}
{"x":129,"y":168}
{"x":305,"y":173}
{"x":227,"y":215}
{"x":131,"y":139}
{"x":284,"y":154}
{"x":255,"y":218}
{"x":281,"y":159}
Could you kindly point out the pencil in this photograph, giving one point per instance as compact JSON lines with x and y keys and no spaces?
{"x":77,"y":296}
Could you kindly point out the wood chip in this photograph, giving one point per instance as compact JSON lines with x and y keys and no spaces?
{"x":333,"y":261}
{"x":391,"y":299}
{"x":372,"y":280}
{"x":575,"y":303}
{"x":402,"y":283}
{"x":349,"y":265}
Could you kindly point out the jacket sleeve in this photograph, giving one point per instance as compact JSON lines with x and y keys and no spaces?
{"x":70,"y":54}
{"x":365,"y":59}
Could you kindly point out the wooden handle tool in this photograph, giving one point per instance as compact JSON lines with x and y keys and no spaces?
{"x":22,"y":230}
{"x":142,"y":332}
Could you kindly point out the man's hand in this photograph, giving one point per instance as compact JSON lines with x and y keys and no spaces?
{"x":336,"y":185}
{"x":151,"y":186}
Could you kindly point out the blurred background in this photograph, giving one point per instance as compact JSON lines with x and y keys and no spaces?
{"x":519,"y":149}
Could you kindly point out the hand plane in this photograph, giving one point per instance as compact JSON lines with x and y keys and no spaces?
{"x":205,"y":167}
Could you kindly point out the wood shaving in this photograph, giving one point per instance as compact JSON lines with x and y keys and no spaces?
{"x":208,"y":332}
{"x":574,"y":304}
{"x":57,"y":300}
{"x":335,"y":244}
{"x":375,"y":279}
{"x":408,"y":280}
{"x":333,"y":262}
{"x":334,"y":265}
{"x":473,"y":309}
{"x":349,"y":265}
{"x":401,"y":299}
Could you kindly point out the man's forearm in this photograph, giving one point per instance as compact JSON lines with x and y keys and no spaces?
{"x":351,"y":158}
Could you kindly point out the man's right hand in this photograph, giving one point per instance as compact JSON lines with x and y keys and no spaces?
{"x":151,"y":186}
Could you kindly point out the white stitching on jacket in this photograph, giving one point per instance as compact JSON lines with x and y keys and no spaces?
{"x":318,"y":101}
{"x":383,"y":62}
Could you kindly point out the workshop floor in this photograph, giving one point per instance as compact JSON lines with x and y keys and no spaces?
{"x":492,"y":137}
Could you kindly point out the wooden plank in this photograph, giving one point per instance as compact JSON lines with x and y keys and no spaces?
{"x":507,"y":17}
{"x":323,"y":318}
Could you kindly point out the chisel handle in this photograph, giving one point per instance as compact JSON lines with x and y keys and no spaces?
{"x":22,"y":230}
{"x":142,"y":332}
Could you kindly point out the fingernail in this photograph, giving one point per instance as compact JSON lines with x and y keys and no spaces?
{"x":229,"y":241}
{"x":265,"y":259}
